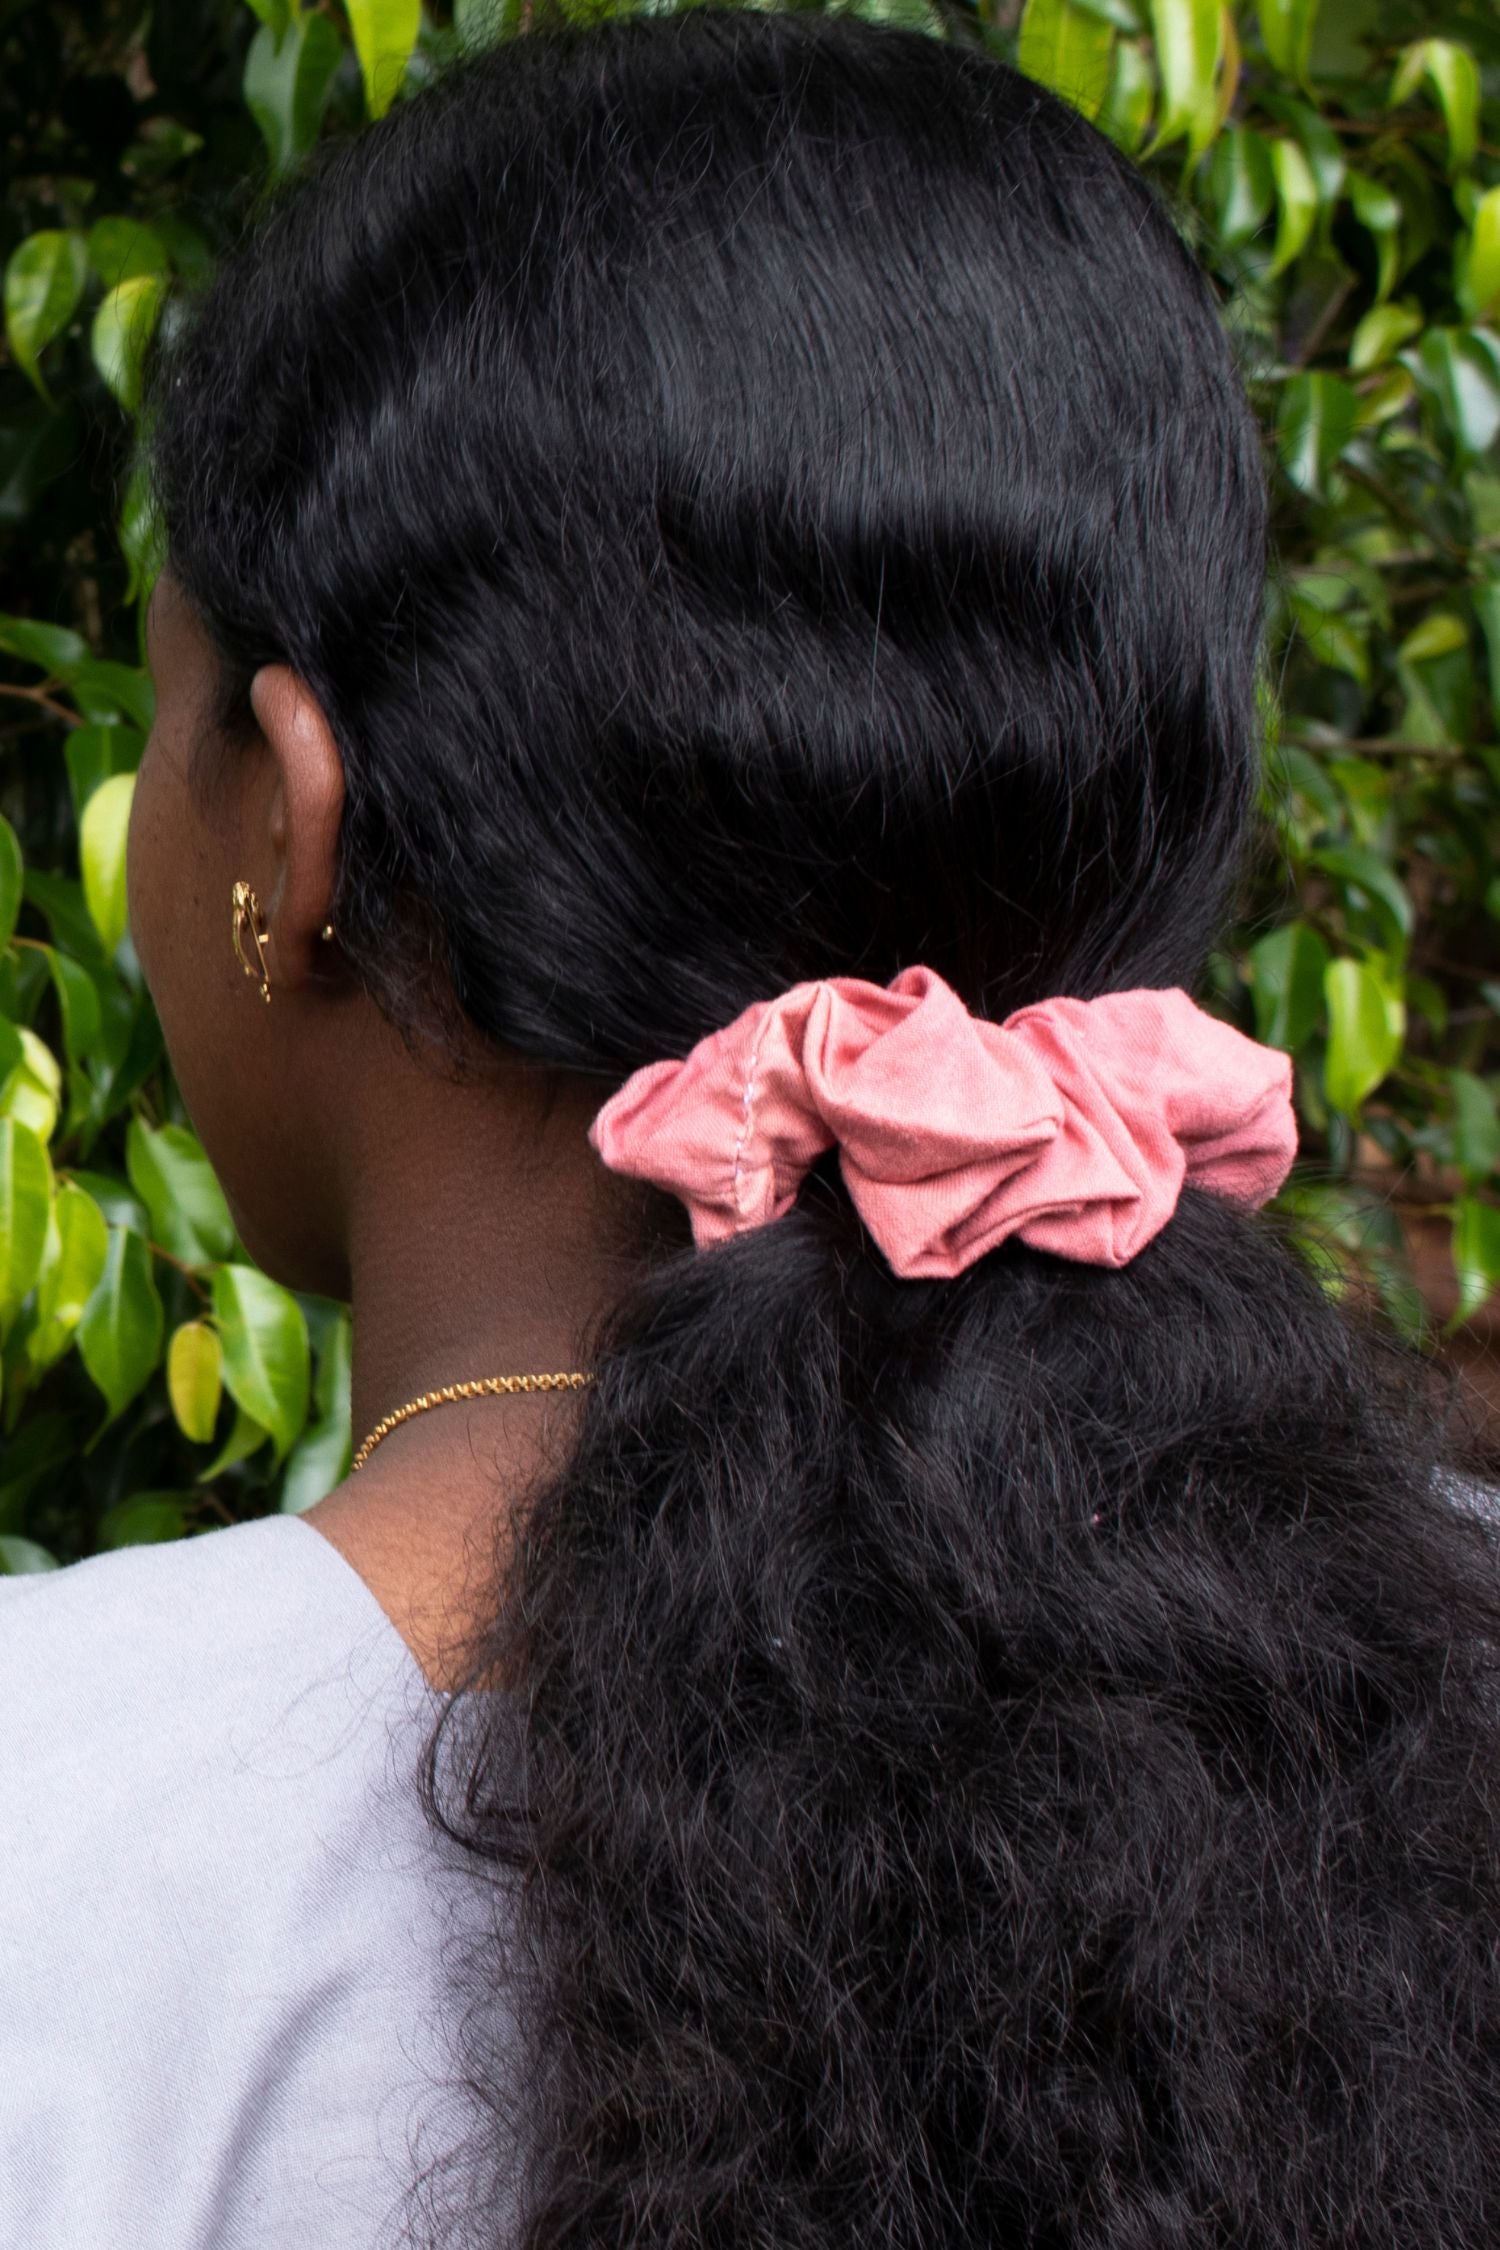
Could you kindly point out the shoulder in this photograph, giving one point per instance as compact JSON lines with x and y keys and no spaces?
{"x":241,"y":1684}
{"x":224,"y":1904}
{"x":164,"y":1647}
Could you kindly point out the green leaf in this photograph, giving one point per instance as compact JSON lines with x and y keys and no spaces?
{"x":385,"y":32}
{"x":331,"y":1391}
{"x":142,"y":535}
{"x":123,"y":248}
{"x":184,"y":1201}
{"x":77,"y":1245}
{"x":1286,"y":984}
{"x":481,"y":23}
{"x":101,"y":853}
{"x":10,"y":881}
{"x":93,"y":753}
{"x":277,"y":13}
{"x":1454,"y":77}
{"x":195,"y":1378}
{"x":1458,"y":374}
{"x":246,"y":1437}
{"x":287,"y":75}
{"x":144,"y":1520}
{"x":108,"y":693}
{"x":1476,"y":1256}
{"x":120,"y":1332}
{"x":120,"y":1207}
{"x":122,"y":330}
{"x":1366,"y":1027}
{"x":31,"y":1091}
{"x":1439,"y":634}
{"x":1187,"y":35}
{"x":1365,"y":873}
{"x":1286,"y":29}
{"x":1379,"y":214}
{"x":44,"y":280}
{"x":51,"y":648}
{"x":1487,"y":609}
{"x":1476,"y":1126}
{"x":20,"y":1557}
{"x":1069,"y":49}
{"x":1131,"y":97}
{"x":1241,"y":183}
{"x":1296,"y":201}
{"x":1315,"y":421}
{"x":264,"y":1333}
{"x":25,"y":1204}
{"x":78,"y":1005}
{"x":1481,"y":268}
{"x":1383,"y":330}
{"x":318,"y":1461}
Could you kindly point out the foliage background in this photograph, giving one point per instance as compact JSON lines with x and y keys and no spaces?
{"x":1338,"y":171}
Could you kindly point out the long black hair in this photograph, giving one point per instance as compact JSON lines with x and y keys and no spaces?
{"x":1009,"y":1761}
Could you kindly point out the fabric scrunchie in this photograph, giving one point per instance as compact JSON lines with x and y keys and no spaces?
{"x":1073,"y":1124}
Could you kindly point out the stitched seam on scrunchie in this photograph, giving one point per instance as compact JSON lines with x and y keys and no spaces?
{"x":747,"y":1109}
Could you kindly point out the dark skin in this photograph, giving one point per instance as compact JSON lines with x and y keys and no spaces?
{"x":470,"y":1225}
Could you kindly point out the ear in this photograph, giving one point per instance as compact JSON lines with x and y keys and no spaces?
{"x":305,"y":809}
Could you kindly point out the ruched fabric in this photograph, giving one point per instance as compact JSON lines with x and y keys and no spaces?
{"x":1073,"y":1124}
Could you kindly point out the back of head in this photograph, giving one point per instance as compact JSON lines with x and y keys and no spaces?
{"x":1011,"y":1759}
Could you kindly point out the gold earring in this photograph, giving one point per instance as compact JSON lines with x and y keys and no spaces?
{"x":247,"y":908}
{"x":327,"y":930}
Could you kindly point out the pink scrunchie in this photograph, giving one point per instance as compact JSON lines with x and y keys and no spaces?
{"x":1072,"y":1124}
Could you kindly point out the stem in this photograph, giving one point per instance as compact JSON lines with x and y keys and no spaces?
{"x":43,"y":701}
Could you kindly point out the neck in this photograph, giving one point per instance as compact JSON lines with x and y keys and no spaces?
{"x":483,"y":1246}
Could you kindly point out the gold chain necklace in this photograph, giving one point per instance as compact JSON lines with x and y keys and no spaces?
{"x":484,"y":1385}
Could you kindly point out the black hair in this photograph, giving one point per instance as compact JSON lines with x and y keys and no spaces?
{"x":1009,"y":1761}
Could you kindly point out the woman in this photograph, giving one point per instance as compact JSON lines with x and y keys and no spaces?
{"x":712,"y":564}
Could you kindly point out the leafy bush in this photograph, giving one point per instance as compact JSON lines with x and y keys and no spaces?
{"x":1340,"y":178}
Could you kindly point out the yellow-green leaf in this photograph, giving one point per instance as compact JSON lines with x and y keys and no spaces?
{"x":31,"y":1092}
{"x":25,"y":1202}
{"x":1286,"y":29}
{"x":1132,"y":93}
{"x":1069,"y":49}
{"x":77,"y":1245}
{"x":1380,"y":214}
{"x":1453,"y":75}
{"x":122,"y":330}
{"x":101,"y":853}
{"x":385,"y":32}
{"x":1476,"y":1255}
{"x":44,"y":280}
{"x":1439,"y":634}
{"x":266,"y":1359}
{"x":1481,"y":275}
{"x":1366,"y":1027}
{"x":195,"y":1378}
{"x":1187,"y":36}
{"x":1296,"y":202}
{"x":1384,"y":329}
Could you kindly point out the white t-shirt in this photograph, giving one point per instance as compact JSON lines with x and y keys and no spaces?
{"x":226,"y":1929}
